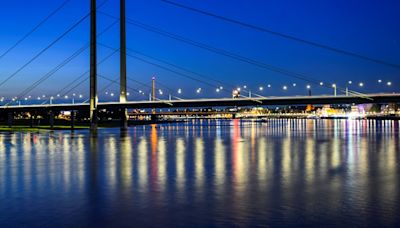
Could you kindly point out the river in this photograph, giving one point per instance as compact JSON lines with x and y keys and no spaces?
{"x":208,"y":173}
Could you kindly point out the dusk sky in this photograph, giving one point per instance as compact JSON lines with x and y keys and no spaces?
{"x":369,"y":28}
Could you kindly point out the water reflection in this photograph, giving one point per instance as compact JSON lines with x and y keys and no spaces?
{"x":242,"y":173}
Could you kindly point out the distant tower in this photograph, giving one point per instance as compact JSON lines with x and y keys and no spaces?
{"x":153,"y":93}
{"x":153,"y":89}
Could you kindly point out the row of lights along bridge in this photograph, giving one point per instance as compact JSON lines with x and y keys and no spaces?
{"x":80,"y":97}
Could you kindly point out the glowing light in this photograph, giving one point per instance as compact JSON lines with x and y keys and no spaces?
{"x":261,"y":88}
{"x":379,"y":81}
{"x":308,"y":87}
{"x":361,"y":84}
{"x":284,"y":87}
{"x":321,"y":83}
{"x":389,"y":83}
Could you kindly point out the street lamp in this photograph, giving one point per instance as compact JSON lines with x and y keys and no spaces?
{"x":284,"y":87}
{"x":321,"y":83}
{"x":309,"y":90}
{"x":347,"y":87}
{"x":389,"y":83}
{"x":379,"y":81}
{"x":361,"y":84}
{"x":261,"y":88}
{"x":334,"y":89}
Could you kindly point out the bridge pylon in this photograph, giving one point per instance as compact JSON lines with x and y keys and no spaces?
{"x":93,"y":66}
{"x":123,"y":92}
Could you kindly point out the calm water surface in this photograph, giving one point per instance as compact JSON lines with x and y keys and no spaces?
{"x":327,"y":173}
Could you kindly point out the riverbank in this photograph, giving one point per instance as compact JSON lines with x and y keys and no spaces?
{"x":66,"y":125}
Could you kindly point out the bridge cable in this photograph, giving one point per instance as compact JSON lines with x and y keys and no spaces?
{"x":189,"y":71}
{"x":35,"y":28}
{"x":222,"y":52}
{"x":50,"y":45}
{"x":162,"y":67}
{"x":237,"y":56}
{"x":44,"y":50}
{"x":285,"y":36}
{"x":180,"y":74}
{"x":79,"y":80}
{"x":62,"y":64}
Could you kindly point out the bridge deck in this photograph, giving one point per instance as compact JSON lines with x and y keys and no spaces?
{"x":223,"y":102}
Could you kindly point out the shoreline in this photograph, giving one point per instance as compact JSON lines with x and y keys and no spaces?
{"x":22,"y":127}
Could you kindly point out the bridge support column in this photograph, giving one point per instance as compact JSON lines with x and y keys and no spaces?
{"x":72,"y":120}
{"x":32,"y":119}
{"x":10,"y":119}
{"x":123,"y":119}
{"x":153,"y":117}
{"x":51,"y":120}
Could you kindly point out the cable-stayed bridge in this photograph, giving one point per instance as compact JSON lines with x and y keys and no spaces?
{"x":92,"y":104}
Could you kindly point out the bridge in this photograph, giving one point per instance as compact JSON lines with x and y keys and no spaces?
{"x":217,"y":102}
{"x":93,"y":106}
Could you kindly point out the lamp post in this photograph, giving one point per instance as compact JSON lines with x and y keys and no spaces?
{"x":334,"y":89}
{"x":347,"y":87}
{"x":309,"y":90}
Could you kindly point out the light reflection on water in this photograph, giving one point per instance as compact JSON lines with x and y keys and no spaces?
{"x":207,"y":173}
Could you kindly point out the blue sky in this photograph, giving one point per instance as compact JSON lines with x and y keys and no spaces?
{"x":368,"y":28}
